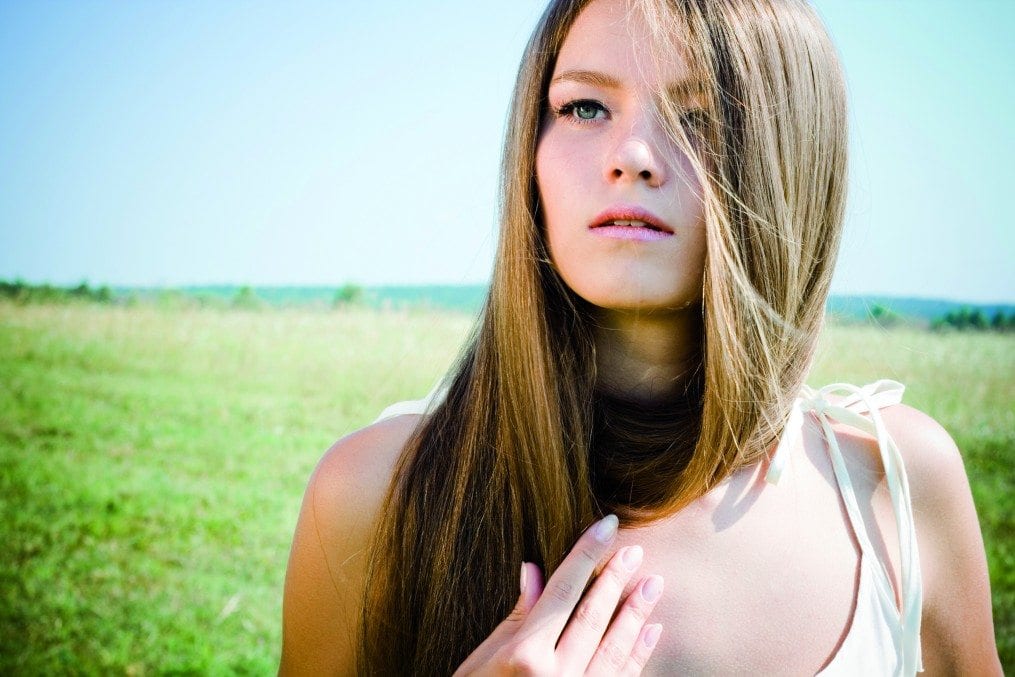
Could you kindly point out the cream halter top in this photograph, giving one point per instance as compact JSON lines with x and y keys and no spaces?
{"x":881,"y":640}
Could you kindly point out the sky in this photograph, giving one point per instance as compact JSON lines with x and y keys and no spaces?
{"x":158,"y":143}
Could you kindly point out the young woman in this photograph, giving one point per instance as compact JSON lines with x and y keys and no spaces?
{"x":673,"y":194}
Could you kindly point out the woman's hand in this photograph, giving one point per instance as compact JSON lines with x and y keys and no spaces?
{"x":540,"y":636}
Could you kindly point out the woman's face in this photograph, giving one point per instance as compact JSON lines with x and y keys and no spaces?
{"x":621,"y":204}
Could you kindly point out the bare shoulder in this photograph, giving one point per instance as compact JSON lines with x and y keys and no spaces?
{"x":353,"y":475}
{"x":925,"y":445}
{"x":931,"y":459}
{"x":326,"y":575}
{"x":937,"y":475}
{"x":347,"y":489}
{"x":957,"y":631}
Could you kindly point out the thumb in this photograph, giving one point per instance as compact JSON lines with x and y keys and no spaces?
{"x":530,"y":588}
{"x":530,"y":582}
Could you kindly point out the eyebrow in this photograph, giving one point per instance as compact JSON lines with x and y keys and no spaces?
{"x":686,"y":89}
{"x":594,"y":78}
{"x":678,"y":90}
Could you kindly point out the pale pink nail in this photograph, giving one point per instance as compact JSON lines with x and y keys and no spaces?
{"x":606,"y":529}
{"x":632,"y":557}
{"x":652,"y":633}
{"x":652,"y":589}
{"x":521,"y":579}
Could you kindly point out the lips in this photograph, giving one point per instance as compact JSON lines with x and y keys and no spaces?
{"x":630,"y":216}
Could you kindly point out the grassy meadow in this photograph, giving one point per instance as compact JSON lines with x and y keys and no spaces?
{"x":152,"y":462}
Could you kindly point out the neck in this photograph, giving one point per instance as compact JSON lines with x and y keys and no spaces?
{"x":647,"y":357}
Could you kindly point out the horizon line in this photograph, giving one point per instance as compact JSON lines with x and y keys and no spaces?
{"x":383,"y":285}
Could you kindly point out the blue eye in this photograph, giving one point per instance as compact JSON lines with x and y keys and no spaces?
{"x":696,"y":120}
{"x":582,"y":111}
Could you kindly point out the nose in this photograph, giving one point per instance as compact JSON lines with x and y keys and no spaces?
{"x":636,"y":157}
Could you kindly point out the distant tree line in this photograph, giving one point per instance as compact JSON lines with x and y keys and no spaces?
{"x":352,"y":295}
{"x":962,"y":319}
{"x":244,"y":297}
{"x":974,"y":319}
{"x":22,"y":292}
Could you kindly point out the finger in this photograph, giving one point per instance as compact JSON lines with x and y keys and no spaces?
{"x":583,"y":636}
{"x":531,"y":585}
{"x":565,"y":587}
{"x":621,"y":641}
{"x":647,"y":642}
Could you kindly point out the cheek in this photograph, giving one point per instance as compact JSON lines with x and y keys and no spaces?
{"x":553,"y":172}
{"x":565,"y":180}
{"x":688,"y":201}
{"x":550,"y":176}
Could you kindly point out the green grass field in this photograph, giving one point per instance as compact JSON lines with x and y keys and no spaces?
{"x":153,"y":462}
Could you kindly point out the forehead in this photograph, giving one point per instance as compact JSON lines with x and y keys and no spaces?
{"x":615,"y":37}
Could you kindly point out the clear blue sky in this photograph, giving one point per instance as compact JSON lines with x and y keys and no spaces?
{"x":173,"y":143}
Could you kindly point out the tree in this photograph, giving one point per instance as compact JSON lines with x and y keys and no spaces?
{"x":246,"y":298}
{"x":348,"y":294}
{"x":884,"y":316}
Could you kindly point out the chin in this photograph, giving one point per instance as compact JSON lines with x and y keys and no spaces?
{"x":641,"y":297}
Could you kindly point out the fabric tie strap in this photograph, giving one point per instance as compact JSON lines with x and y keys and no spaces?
{"x":859,"y":408}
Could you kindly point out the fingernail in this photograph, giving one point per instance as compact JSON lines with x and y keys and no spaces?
{"x":632,"y":557}
{"x":607,"y":528}
{"x":652,"y":589}
{"x":652,"y":633}
{"x":521,"y":579}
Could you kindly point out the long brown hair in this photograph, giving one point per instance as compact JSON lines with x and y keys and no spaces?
{"x":523,"y":453}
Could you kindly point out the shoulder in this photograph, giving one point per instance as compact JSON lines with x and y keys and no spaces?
{"x":326,"y":574}
{"x":346,"y":492}
{"x":934,"y":466}
{"x":930,"y":457}
{"x":957,"y":633}
{"x":355,"y":472}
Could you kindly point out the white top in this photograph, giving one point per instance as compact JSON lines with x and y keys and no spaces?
{"x":881,"y":640}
